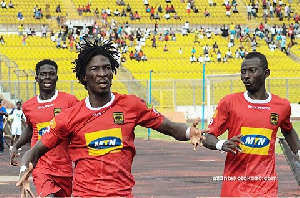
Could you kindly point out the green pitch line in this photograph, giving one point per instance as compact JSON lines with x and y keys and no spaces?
{"x":142,"y":132}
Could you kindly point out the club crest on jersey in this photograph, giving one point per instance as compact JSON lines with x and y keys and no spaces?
{"x":56,"y":111}
{"x":118,"y":117}
{"x":274,"y":118}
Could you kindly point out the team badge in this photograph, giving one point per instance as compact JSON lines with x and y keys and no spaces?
{"x":56,"y":111}
{"x":274,"y":118}
{"x":118,"y":117}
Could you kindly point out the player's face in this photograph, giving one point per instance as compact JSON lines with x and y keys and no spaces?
{"x":253,"y":75}
{"x":47,"y":78}
{"x":19,"y":106}
{"x":99,"y":75}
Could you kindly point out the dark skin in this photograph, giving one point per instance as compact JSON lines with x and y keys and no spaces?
{"x":98,"y":81}
{"x":253,"y":75}
{"x":46,"y":79}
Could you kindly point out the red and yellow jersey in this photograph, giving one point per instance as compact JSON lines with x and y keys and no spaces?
{"x":38,"y":114}
{"x":102,"y":143}
{"x":252,"y":172}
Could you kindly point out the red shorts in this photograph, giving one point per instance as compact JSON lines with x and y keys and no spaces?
{"x":46,"y":184}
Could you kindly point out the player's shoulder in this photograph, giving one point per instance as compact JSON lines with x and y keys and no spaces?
{"x":128,"y":99}
{"x":29,"y":102}
{"x":278,"y":99}
{"x":66,"y":95}
{"x":233,"y":96}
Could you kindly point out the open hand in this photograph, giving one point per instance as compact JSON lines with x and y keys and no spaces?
{"x":231,"y":144}
{"x":196,"y":135}
{"x":24,"y":182}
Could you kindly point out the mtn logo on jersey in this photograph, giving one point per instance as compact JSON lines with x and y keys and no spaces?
{"x":103,"y":142}
{"x":42,"y":128}
{"x":256,"y":140}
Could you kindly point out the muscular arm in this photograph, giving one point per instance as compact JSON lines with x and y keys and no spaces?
{"x":174,"y":129}
{"x":292,"y":140}
{"x":34,"y":154}
{"x":210,"y":141}
{"x":24,"y":138}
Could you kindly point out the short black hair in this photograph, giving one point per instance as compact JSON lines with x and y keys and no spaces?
{"x":260,"y":56}
{"x":44,"y":62}
{"x":88,"y":51}
{"x":19,"y":102}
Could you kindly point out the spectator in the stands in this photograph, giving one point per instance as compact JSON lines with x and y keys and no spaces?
{"x":172,"y":9}
{"x":136,"y":15}
{"x":159,"y":9}
{"x":88,"y":7}
{"x":128,"y":8}
{"x":20,"y":16}
{"x":2,"y":40}
{"x":176,"y":16}
{"x":3,"y":4}
{"x":11,"y":5}
{"x":58,"y":9}
{"x":206,"y":13}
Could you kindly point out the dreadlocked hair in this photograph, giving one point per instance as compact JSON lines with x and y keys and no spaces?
{"x":88,"y":51}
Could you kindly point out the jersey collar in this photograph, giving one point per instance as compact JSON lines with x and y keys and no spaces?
{"x":49,"y":100}
{"x":257,"y":101}
{"x":88,"y":104}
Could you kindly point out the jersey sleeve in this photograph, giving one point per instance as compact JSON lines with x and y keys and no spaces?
{"x":147,"y":117}
{"x":286,"y":125}
{"x":57,"y":131}
{"x":219,"y":122}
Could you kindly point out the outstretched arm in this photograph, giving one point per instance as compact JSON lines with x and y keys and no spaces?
{"x":174,"y":129}
{"x":182,"y":132}
{"x":292,"y":140}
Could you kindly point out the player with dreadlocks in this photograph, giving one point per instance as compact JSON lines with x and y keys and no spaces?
{"x":100,"y":129}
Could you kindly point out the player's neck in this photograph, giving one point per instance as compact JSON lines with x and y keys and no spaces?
{"x":99,"y":100}
{"x":47,"y":95}
{"x":259,"y":95}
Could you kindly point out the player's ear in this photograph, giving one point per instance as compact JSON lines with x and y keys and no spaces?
{"x":267,"y":73}
{"x":36,"y":78}
{"x":84,"y":78}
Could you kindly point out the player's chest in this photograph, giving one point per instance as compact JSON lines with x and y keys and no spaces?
{"x":112,"y":127}
{"x":259,"y":115}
